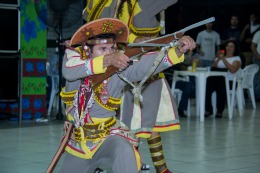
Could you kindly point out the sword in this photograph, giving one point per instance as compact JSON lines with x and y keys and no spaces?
{"x":61,"y":149}
{"x":135,"y":50}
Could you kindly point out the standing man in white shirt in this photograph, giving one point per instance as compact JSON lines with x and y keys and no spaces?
{"x":207,"y":42}
{"x":255,"y":47}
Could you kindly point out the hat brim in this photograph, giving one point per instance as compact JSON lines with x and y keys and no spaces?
{"x":101,"y":26}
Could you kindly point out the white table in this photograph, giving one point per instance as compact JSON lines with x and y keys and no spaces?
{"x":201,"y":78}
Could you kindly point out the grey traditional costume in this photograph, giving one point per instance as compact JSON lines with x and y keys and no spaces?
{"x":157,"y":112}
{"x":97,"y":138}
{"x":141,"y":19}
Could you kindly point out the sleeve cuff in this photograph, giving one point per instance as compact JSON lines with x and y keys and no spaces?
{"x":161,"y":75}
{"x":97,"y":64}
{"x":173,"y":58}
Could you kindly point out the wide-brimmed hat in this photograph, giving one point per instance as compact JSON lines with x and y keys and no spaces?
{"x":101,"y":26}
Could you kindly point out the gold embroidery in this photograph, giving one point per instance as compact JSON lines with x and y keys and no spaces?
{"x":107,"y":27}
{"x":111,"y":105}
{"x":95,"y":131}
{"x":67,"y":97}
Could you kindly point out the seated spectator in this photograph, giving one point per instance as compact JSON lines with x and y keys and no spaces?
{"x":187,"y":88}
{"x":231,"y":62}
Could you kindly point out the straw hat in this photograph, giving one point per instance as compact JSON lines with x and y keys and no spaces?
{"x":101,"y":26}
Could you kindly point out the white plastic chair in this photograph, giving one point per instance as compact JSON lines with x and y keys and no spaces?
{"x":233,"y":103}
{"x":214,"y":102}
{"x":54,"y":97}
{"x":246,"y":81}
{"x":54,"y":94}
{"x":199,"y":68}
{"x":233,"y":97}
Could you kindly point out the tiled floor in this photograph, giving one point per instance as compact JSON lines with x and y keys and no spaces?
{"x":217,"y":145}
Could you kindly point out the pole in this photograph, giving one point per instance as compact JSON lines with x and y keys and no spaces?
{"x":59,"y":116}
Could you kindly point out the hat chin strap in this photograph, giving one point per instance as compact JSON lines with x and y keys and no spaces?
{"x":85,"y":50}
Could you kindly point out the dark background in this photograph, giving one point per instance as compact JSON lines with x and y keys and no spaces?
{"x":9,"y":79}
{"x":187,"y":12}
{"x":9,"y":29}
{"x":9,"y":62}
{"x":178,"y":16}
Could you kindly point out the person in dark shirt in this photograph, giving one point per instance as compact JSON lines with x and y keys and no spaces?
{"x":233,"y":32}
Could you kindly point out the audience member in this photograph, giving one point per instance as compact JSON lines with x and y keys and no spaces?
{"x":54,"y":63}
{"x":231,"y":62}
{"x":187,"y":87}
{"x":52,"y":66}
{"x":246,"y":37}
{"x":207,"y":41}
{"x":255,"y":46}
{"x":232,"y":33}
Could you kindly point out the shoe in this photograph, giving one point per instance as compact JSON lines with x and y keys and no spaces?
{"x":218,"y":115}
{"x":41,"y":120}
{"x":98,"y":170}
{"x":208,"y":113}
{"x":181,"y":113}
{"x":145,"y":167}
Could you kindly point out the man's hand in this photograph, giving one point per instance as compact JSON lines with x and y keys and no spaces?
{"x":186,"y":43}
{"x":116,"y":59}
{"x":258,"y":56}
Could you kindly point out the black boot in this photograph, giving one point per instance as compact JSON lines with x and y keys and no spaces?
{"x":219,"y":115}
{"x":208,"y":113}
{"x":181,"y":113}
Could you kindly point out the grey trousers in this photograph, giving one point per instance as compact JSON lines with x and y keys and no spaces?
{"x":116,"y":153}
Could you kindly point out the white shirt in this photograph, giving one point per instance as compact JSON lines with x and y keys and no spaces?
{"x":256,"y":40}
{"x":230,"y":61}
{"x":208,"y":42}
